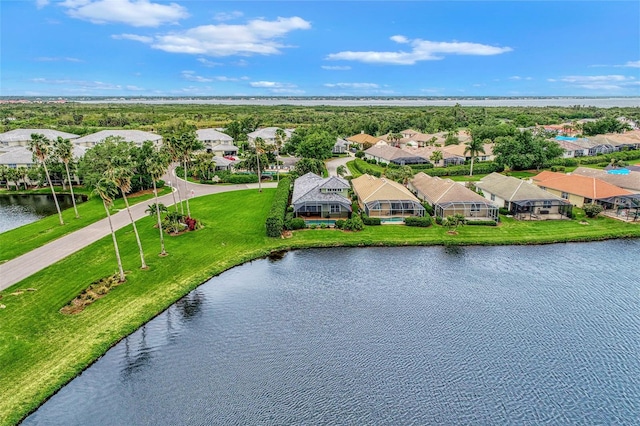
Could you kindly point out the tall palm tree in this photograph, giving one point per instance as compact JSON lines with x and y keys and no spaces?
{"x":157,"y":165}
{"x":63,"y":149}
{"x":473,"y":147}
{"x":22,"y":173}
{"x":436,"y":156}
{"x":121,"y":177}
{"x":189,"y":143}
{"x":173,"y":146}
{"x":280,"y":138}
{"x":259,"y":142}
{"x":41,"y":148}
{"x":105,"y":189}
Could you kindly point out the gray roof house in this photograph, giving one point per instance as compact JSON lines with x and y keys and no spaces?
{"x":619,"y":177}
{"x":268,"y":135}
{"x":21,"y":137}
{"x":524,"y":200}
{"x":341,"y":146}
{"x":212,"y":138}
{"x":18,"y":156}
{"x":389,"y":154}
{"x":138,"y":137}
{"x":449,"y":198}
{"x":326,"y":198}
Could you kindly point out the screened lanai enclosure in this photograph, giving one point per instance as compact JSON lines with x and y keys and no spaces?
{"x":470,"y":210}
{"x":540,"y":209}
{"x":336,"y":209}
{"x":393,"y":208}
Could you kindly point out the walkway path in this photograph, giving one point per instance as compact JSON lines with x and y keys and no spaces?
{"x":17,"y":269}
{"x":332,"y":165}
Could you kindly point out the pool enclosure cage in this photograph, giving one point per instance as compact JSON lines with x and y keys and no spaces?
{"x":471,"y":210}
{"x":387,"y":208}
{"x":333,"y":210}
{"x":540,"y":209}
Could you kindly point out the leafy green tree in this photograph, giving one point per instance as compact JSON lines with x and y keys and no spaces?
{"x":4,"y":173}
{"x":473,"y":148}
{"x":318,"y":145}
{"x":12,"y":175}
{"x":306,"y":165}
{"x":22,"y":173}
{"x":341,"y":171}
{"x":592,"y":209}
{"x":106,"y":189}
{"x":603,"y":126}
{"x":63,"y":149}
{"x":525,"y":151}
{"x":35,"y":174}
{"x":41,"y":148}
{"x":452,"y":139}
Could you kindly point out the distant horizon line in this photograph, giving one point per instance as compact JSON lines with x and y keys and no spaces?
{"x":317,"y":97}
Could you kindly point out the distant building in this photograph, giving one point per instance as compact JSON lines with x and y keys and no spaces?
{"x":22,"y":137}
{"x":137,"y":137}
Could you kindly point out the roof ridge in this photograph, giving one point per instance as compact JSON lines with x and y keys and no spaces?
{"x":444,"y":193}
{"x":516,"y":190}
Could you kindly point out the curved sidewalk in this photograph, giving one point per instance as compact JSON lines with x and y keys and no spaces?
{"x":15,"y":270}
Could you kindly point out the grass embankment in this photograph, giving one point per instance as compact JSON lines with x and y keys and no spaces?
{"x":19,"y":241}
{"x":41,"y":349}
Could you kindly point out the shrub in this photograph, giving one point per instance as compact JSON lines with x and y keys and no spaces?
{"x":438,"y":220}
{"x":428,"y":208}
{"x":422,"y":222}
{"x":340,"y":223}
{"x":557,"y":168}
{"x":504,"y":211}
{"x":371,"y":221}
{"x":297,"y":223}
{"x":354,"y":224}
{"x":482,"y":223}
{"x":592,"y":210}
{"x":275,"y":219}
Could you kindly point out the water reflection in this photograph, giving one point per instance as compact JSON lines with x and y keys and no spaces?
{"x":19,"y":209}
{"x":137,"y":357}
{"x":190,"y":306}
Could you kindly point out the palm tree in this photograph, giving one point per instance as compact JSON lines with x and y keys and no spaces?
{"x":105,"y":189}
{"x":22,"y":173}
{"x":188,"y":144}
{"x":259,"y":149}
{"x":41,"y":147}
{"x":157,"y":165}
{"x":4,"y":174}
{"x":63,"y":149}
{"x":121,"y":177}
{"x":473,"y":147}
{"x":280,"y":138}
{"x":436,"y":156}
{"x":173,"y":147}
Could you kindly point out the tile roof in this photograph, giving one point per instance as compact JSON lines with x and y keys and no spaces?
{"x":391,"y":153}
{"x":268,"y":133}
{"x":370,"y":188}
{"x":24,"y":135}
{"x":513,"y":189}
{"x":307,"y":188}
{"x":438,"y":190}
{"x":584,"y":186}
{"x":135,"y":136}
{"x":363,"y":138}
{"x":212,"y":135}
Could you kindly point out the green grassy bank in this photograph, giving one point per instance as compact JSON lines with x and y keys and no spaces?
{"x":39,"y":233}
{"x":41,"y":349}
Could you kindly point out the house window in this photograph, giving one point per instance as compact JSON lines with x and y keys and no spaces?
{"x":335,"y":208}
{"x":565,"y":195}
{"x":493,"y":197}
{"x":546,"y":204}
{"x":475,"y":207}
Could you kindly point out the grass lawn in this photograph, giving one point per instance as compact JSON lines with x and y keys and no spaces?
{"x":39,"y":233}
{"x":41,"y":349}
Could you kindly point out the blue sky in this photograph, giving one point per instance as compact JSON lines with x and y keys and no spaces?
{"x":319,"y":48}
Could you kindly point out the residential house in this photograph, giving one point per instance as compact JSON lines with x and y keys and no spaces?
{"x":341,"y":146}
{"x":522,"y":199}
{"x":449,"y":198}
{"x":621,"y":177}
{"x":459,"y":150}
{"x":580,"y":190}
{"x":137,"y":137}
{"x":448,"y":158}
{"x":388,"y":154}
{"x":326,"y":198}
{"x":595,"y":146}
{"x":363,"y":140}
{"x":569,"y":148}
{"x":22,"y":137}
{"x":268,"y":135}
{"x":220,"y":144}
{"x":385,"y":199}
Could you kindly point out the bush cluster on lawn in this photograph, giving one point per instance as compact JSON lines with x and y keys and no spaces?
{"x":482,"y":223}
{"x":353,"y":224}
{"x":371,"y":221}
{"x":592,"y":210}
{"x":363,"y":167}
{"x":422,"y":222}
{"x":275,"y":219}
{"x":294,"y":224}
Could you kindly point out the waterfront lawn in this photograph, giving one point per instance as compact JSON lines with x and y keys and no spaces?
{"x":45,"y":230}
{"x":41,"y":349}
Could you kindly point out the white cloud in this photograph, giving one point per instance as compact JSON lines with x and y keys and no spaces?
{"x":134,"y":37}
{"x":192,"y":76}
{"x":336,"y":67}
{"x":277,"y":87}
{"x":352,"y":85}
{"x":134,"y":88}
{"x":613,"y":82}
{"x":137,"y":13}
{"x":57,"y":59}
{"x":208,"y":63}
{"x":422,"y":50}
{"x":84,"y":84}
{"x":228,"y":16}
{"x":632,"y":64}
{"x":41,"y":3}
{"x":256,"y":37}
{"x":518,"y":78}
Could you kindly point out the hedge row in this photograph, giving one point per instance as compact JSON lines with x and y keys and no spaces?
{"x":364,"y":168}
{"x":598,"y":159}
{"x":371,"y":221}
{"x":422,"y":222}
{"x":481,"y":222}
{"x":275,"y":219}
{"x":478,"y":168}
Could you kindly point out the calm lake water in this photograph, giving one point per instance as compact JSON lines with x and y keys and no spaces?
{"x":475,"y":335}
{"x":17,"y":210}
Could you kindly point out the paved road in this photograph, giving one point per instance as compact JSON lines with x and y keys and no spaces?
{"x":332,"y":165}
{"x":15,"y":270}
